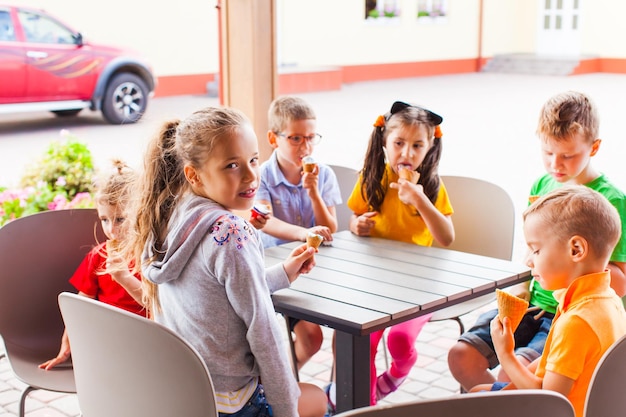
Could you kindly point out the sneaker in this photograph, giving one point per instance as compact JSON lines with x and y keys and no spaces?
{"x":331,"y":408}
{"x":386,"y":384}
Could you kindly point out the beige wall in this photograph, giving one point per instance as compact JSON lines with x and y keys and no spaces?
{"x":603,"y":32}
{"x":331,"y":32}
{"x":509,"y":26}
{"x":182,"y":38}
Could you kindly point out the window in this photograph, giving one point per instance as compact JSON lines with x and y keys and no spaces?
{"x":6,"y":26}
{"x":431,"y":9}
{"x":376,"y":9}
{"x":41,"y":29}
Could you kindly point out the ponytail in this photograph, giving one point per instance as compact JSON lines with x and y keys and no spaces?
{"x":163,"y":180}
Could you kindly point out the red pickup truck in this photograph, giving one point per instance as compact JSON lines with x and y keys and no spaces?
{"x":47,"y":66}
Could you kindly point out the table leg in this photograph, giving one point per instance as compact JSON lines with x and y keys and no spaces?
{"x":353,"y":371}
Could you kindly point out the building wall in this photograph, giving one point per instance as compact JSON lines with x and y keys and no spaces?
{"x":603,"y":30}
{"x":324,"y":43}
{"x":509,"y":26}
{"x":331,"y":32}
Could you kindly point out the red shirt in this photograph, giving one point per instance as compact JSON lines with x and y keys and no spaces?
{"x":90,"y":280}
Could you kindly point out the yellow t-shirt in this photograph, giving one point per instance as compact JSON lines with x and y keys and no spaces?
{"x":396,"y":220}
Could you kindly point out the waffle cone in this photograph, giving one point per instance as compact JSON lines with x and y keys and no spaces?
{"x":411,"y":176}
{"x":314,"y":241}
{"x":309,"y":167}
{"x":512,"y":307}
{"x":112,"y":245}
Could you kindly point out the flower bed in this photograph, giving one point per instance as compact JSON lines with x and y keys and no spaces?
{"x":61,"y":179}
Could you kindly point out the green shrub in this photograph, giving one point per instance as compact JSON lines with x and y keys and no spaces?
{"x":66,"y":166}
{"x":62,"y":178}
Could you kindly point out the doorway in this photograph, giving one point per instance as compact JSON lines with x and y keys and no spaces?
{"x":558,"y":27}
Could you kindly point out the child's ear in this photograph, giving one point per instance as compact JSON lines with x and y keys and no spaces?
{"x":579,"y":248}
{"x":272,"y":138}
{"x":191,"y":175}
{"x":595,"y":146}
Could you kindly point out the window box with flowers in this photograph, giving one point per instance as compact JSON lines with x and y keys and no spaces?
{"x":61,"y":179}
{"x":432,"y":11}
{"x":382,"y":11}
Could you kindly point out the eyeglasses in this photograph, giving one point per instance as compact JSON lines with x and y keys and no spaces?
{"x":296,"y":140}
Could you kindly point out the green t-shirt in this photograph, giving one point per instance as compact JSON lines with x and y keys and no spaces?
{"x":543,"y":298}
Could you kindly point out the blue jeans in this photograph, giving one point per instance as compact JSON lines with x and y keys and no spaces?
{"x":530,"y":336}
{"x":256,"y":406}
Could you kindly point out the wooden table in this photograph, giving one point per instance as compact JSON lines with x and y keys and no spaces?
{"x":360,"y":285}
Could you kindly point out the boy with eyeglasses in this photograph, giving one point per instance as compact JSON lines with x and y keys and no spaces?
{"x":300,"y":202}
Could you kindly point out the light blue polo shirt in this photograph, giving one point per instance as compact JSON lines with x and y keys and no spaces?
{"x":291,"y":203}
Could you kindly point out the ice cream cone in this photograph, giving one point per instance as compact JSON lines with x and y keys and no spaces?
{"x":511,"y":306}
{"x":409,"y":175}
{"x":308,"y":164}
{"x":112,"y":245}
{"x":314,"y":240}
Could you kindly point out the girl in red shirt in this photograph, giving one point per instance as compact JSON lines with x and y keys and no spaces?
{"x":103,"y":274}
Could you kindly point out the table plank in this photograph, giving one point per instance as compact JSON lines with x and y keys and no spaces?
{"x":393,"y":284}
{"x":346,"y":260}
{"x":459,"y":257}
{"x":356,"y":297}
{"x":416,"y":258}
{"x":337,"y":315}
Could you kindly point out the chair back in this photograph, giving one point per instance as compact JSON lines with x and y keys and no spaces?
{"x":605,"y":396}
{"x":38,"y":255}
{"x":484,"y":217}
{"x":484,"y":224}
{"x":346,"y":177}
{"x":127,"y":366}
{"x":518,"y":403}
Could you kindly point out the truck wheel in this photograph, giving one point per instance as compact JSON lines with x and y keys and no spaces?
{"x":125,"y":99}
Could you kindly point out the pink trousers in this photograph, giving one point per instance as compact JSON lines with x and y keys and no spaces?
{"x":401,"y":345}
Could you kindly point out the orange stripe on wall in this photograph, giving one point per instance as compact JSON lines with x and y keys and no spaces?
{"x":356,"y":73}
{"x":175,"y":85}
{"x":613,"y":65}
{"x":309,"y":81}
{"x":332,"y":78}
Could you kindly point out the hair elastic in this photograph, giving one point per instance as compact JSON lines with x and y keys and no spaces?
{"x":438,"y":133}
{"x":380,"y":121}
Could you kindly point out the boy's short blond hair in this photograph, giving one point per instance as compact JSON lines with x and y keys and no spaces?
{"x":566,"y":114}
{"x":578,"y":210}
{"x":287,"y":109}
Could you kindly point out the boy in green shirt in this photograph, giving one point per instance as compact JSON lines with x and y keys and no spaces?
{"x":568,"y":129}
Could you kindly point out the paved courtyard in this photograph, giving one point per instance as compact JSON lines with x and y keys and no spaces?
{"x":489,"y":125}
{"x":430,"y":377}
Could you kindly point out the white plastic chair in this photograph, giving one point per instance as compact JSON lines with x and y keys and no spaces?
{"x":38,"y":255}
{"x":484,"y":224}
{"x":128,"y":366}
{"x":346,"y":177}
{"x":518,"y":403}
{"x":605,"y":396}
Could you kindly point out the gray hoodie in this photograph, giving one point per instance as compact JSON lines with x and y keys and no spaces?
{"x":214,"y":291}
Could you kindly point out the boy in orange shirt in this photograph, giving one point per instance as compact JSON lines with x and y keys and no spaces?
{"x":570,"y":233}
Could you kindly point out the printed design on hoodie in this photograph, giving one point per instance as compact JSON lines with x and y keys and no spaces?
{"x":228,"y":227}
